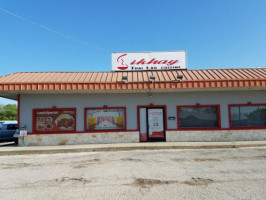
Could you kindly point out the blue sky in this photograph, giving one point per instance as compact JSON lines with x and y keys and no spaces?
{"x":67,"y":35}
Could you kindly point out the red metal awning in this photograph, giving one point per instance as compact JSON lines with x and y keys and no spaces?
{"x":137,"y":80}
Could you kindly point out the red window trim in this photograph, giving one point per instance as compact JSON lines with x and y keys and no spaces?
{"x":199,"y":128}
{"x":244,"y":127}
{"x":106,"y":130}
{"x":52,"y":109}
{"x":222,"y":129}
{"x":81,"y":132}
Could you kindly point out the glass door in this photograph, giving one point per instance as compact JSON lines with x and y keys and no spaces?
{"x":143,"y":125}
{"x":155,"y":124}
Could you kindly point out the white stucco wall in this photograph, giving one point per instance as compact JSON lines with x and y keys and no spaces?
{"x":131,"y":101}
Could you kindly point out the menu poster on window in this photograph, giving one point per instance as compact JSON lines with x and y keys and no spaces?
{"x":55,"y":120}
{"x":156,"y":124}
{"x":105,"y":119}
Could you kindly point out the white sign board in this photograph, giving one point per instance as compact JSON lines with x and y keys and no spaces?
{"x":23,"y":132}
{"x":149,"y":61}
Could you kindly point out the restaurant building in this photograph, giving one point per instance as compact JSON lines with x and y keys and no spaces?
{"x":173,"y":105}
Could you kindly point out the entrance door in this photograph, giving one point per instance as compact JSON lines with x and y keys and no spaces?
{"x":151,"y":124}
{"x":155,"y":124}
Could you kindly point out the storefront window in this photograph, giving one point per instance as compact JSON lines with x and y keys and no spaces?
{"x":248,"y":116}
{"x":198,"y":117}
{"x":54,"y":120}
{"x":105,"y":118}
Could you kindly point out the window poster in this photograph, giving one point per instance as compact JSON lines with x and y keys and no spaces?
{"x":55,"y":120}
{"x":105,"y":119}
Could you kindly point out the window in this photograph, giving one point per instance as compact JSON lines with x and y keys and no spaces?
{"x":105,"y":119}
{"x":12,"y":127}
{"x":54,"y":120}
{"x":247,"y":115}
{"x":198,"y":116}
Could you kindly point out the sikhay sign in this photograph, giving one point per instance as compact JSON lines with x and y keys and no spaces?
{"x":149,"y":61}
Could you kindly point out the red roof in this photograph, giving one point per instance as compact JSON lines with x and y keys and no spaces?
{"x":207,"y":78}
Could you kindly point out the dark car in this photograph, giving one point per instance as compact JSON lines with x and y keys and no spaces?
{"x":1,"y":124}
{"x":7,"y":131}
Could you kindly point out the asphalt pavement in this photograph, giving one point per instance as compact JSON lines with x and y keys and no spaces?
{"x":200,"y":174}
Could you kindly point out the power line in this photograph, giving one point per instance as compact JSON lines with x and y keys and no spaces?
{"x":51,"y":30}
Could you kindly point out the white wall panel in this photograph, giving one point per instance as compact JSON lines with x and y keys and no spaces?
{"x":131,"y":101}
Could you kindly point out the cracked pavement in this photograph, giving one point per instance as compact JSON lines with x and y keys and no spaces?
{"x":238,"y":173}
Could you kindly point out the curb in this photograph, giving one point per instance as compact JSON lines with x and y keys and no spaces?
{"x":125,"y":147}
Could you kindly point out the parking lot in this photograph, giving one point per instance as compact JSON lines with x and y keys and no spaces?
{"x":238,"y":173}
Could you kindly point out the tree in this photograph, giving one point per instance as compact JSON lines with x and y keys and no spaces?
{"x":8,"y":112}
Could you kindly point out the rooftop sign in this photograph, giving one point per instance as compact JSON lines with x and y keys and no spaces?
{"x":140,"y":61}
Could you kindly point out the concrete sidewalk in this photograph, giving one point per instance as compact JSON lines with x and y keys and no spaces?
{"x":126,"y":147}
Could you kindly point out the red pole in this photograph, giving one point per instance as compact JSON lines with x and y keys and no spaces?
{"x":18,"y":113}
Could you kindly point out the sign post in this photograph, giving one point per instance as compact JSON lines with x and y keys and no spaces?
{"x":23,"y":133}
